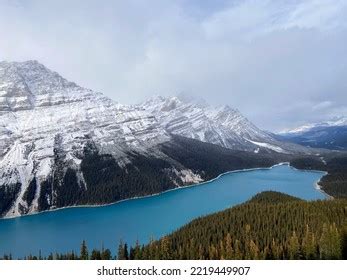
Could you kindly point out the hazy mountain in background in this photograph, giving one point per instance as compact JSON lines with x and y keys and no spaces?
{"x":330,"y":134}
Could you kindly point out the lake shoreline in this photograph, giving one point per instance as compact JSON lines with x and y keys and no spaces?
{"x":317,"y":186}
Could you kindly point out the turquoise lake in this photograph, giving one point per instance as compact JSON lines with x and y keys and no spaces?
{"x":155,"y":216}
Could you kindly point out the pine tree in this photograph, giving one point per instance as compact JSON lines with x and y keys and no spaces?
{"x":201,"y":252}
{"x":221,"y":250}
{"x":309,"y":247}
{"x":229,"y":251}
{"x":73,"y":255}
{"x":330,"y":243}
{"x":123,"y":253}
{"x":137,"y":251}
{"x":84,"y":251}
{"x":293,"y":247}
{"x":247,"y":240}
{"x":106,"y":254}
{"x":238,"y":252}
{"x":165,"y":248}
{"x":95,"y":255}
{"x":254,"y":250}
{"x":212,"y":252}
{"x":273,"y":251}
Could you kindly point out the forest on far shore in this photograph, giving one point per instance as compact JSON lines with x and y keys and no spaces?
{"x":335,"y":182}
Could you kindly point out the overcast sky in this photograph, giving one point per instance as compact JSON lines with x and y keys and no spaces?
{"x":282,"y":63}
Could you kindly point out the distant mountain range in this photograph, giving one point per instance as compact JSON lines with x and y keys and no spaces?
{"x":331,"y":134}
{"x":63,"y":145}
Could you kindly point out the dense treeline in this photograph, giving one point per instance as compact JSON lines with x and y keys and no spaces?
{"x":30,"y":192}
{"x":8,"y":193}
{"x":335,"y":182}
{"x":84,"y":254}
{"x":269,"y":226}
{"x":105,"y":180}
{"x":211,"y":160}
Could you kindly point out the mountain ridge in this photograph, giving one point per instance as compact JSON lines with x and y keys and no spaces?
{"x":331,"y":134}
{"x":337,"y":121}
{"x":222,"y":125}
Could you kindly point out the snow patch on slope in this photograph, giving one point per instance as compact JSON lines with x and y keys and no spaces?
{"x":268,"y":146}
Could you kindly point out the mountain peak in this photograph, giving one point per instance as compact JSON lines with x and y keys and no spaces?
{"x":27,"y":63}
{"x":23,"y":65}
{"x":38,"y":77}
{"x":227,"y":109}
{"x":169,"y":103}
{"x":24,"y":85}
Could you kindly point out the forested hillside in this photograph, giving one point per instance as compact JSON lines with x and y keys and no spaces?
{"x":335,"y":182}
{"x":269,"y":226}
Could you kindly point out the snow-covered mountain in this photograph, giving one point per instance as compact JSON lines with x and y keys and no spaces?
{"x":42,"y":114}
{"x":337,"y":121}
{"x":63,"y":145}
{"x":222,"y":126}
{"x":331,"y":134}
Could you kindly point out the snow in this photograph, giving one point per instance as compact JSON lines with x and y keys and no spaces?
{"x":338,"y":121}
{"x":222,"y":126}
{"x":268,"y":146}
{"x":298,"y":129}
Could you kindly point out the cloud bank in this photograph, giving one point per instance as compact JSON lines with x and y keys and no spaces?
{"x":281,"y":63}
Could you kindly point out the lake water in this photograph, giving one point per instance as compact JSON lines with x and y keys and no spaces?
{"x":63,"y":230}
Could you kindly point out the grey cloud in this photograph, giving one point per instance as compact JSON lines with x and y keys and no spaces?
{"x":281,"y":64}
